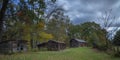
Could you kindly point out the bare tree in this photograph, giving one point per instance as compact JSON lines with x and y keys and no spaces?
{"x":108,"y":20}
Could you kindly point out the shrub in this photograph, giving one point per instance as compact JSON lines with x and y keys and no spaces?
{"x":117,"y":54}
{"x":100,"y":47}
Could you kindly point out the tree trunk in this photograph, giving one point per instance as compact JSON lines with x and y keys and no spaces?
{"x":2,"y":13}
{"x":117,"y":48}
{"x":31,"y":43}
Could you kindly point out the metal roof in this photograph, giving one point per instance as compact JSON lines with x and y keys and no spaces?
{"x":79,"y":40}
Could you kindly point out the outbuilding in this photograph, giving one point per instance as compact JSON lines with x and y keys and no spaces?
{"x":55,"y":45}
{"x":12,"y":46}
{"x":77,"y":43}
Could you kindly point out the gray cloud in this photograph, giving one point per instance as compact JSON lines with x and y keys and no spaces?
{"x":88,"y":10}
{"x":81,"y":20}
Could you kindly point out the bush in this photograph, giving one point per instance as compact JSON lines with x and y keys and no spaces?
{"x":100,"y":47}
{"x":117,"y":54}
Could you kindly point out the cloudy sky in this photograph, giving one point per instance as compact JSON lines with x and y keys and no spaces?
{"x":81,"y":11}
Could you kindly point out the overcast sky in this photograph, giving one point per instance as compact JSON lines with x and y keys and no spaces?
{"x":81,"y":11}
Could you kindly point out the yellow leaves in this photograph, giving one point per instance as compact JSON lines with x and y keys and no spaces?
{"x":45,"y":36}
{"x":41,"y":25}
{"x":33,"y":31}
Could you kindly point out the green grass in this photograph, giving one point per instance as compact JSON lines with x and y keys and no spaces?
{"x":82,"y":53}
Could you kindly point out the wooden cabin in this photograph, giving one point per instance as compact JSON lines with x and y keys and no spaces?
{"x":42,"y":45}
{"x":55,"y":45}
{"x":52,"y":45}
{"x":77,"y":43}
{"x":12,"y":46}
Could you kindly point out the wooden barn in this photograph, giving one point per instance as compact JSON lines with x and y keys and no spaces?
{"x":52,"y":45}
{"x":12,"y":46}
{"x":42,"y":45}
{"x":77,"y":43}
{"x":55,"y":45}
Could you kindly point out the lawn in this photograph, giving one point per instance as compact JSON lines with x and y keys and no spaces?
{"x":82,"y":53}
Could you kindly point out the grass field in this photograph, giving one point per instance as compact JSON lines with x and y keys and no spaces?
{"x":82,"y":53}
